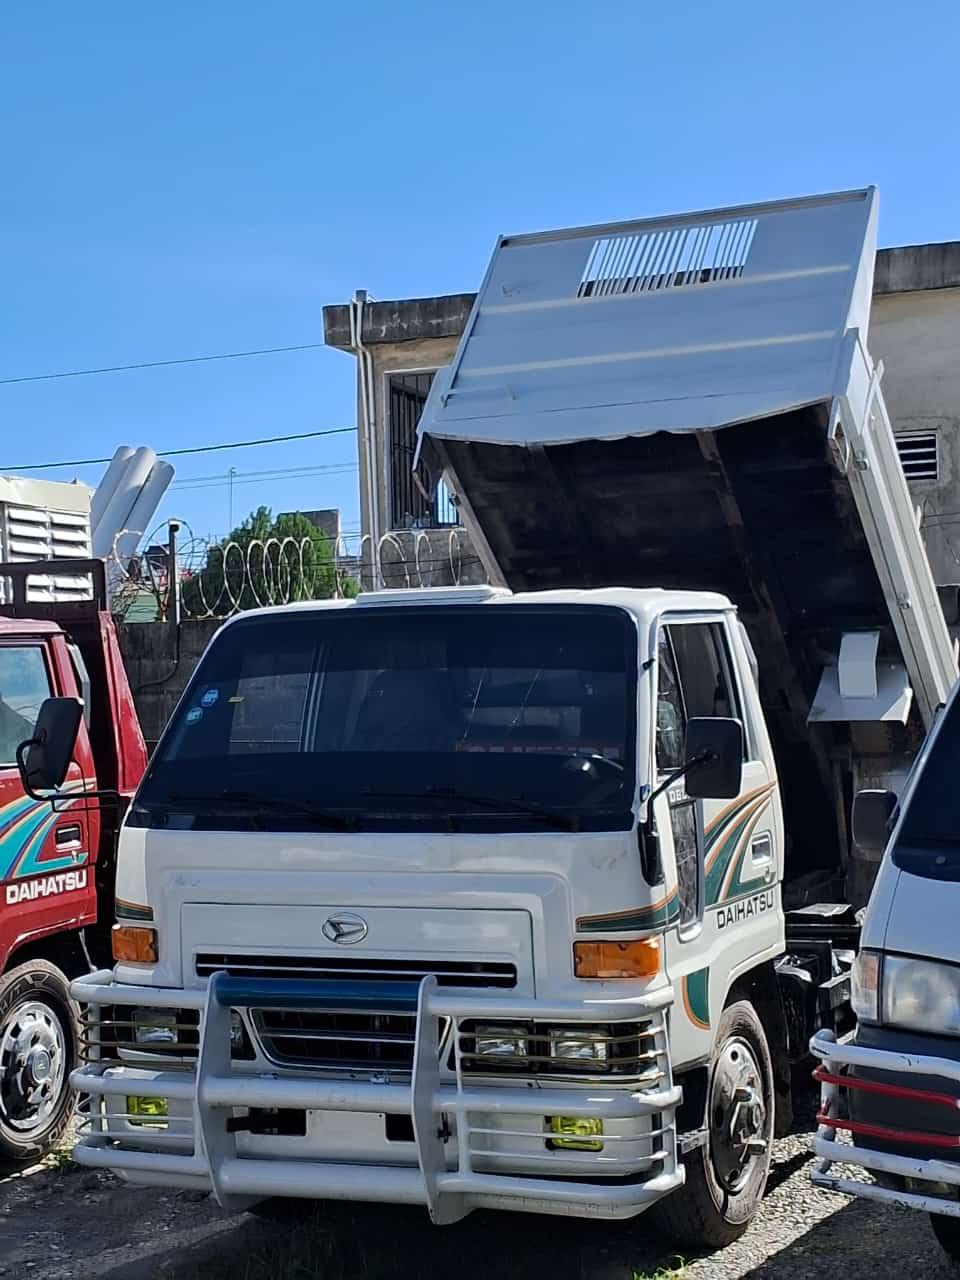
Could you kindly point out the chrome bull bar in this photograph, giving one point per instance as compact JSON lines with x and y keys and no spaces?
{"x":441,"y":1106}
{"x":836,"y":1055}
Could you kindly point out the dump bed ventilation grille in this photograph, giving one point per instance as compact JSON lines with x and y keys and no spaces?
{"x":653,"y":260}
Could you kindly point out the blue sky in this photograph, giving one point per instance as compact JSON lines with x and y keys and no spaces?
{"x":183,"y":179}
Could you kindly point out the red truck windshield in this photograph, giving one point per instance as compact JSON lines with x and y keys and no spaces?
{"x":403,"y":717}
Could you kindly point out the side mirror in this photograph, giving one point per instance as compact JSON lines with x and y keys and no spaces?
{"x":872,"y":811}
{"x":44,"y":759}
{"x":714,"y":766}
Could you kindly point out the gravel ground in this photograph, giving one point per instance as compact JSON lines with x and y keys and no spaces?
{"x":61,"y":1222}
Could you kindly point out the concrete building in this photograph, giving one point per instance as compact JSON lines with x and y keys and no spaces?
{"x":914,"y":331}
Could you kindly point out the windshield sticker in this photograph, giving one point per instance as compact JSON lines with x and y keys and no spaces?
{"x":194,"y":714}
{"x":210,"y":698}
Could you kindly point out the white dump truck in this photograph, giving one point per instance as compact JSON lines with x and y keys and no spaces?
{"x":529,"y":896}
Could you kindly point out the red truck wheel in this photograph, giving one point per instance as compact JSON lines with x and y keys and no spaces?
{"x":38,"y":1050}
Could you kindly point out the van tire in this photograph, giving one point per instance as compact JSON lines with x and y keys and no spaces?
{"x":720,"y":1197}
{"x":947,"y":1231}
{"x":39,"y":1044}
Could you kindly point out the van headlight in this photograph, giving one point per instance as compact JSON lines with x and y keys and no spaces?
{"x":920,"y":995}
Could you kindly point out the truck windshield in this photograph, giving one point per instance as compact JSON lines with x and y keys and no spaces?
{"x":484,"y":718}
{"x":928,"y":843}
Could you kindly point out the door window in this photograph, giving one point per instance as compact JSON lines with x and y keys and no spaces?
{"x":704,"y":667}
{"x":671,"y":721}
{"x":24,"y":684}
{"x":695,"y":678}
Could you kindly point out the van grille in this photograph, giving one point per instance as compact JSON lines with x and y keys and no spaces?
{"x":449,"y":973}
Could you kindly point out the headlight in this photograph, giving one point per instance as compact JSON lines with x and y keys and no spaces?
{"x":865,"y":986}
{"x":154,"y":1028}
{"x":499,"y":1042}
{"x":571,"y":1046}
{"x":921,"y":995}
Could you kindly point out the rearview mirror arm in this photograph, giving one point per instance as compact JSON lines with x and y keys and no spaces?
{"x":703,"y":758}
{"x":51,"y":798}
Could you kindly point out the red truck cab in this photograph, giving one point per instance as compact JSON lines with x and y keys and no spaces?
{"x":56,"y":859}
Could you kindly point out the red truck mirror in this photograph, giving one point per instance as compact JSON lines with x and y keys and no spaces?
{"x":44,"y":759}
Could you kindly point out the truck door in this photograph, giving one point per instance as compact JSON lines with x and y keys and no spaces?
{"x":44,"y":851}
{"x":723,"y":850}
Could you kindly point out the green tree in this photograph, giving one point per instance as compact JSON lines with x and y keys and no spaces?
{"x":265,"y":560}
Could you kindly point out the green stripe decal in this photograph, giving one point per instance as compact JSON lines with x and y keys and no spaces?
{"x":696,"y":997}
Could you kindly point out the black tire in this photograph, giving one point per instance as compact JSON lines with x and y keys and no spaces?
{"x":713,"y":1208}
{"x":947,"y":1231}
{"x":38,"y":1050}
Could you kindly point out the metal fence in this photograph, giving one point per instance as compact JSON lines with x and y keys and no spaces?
{"x":180,"y":575}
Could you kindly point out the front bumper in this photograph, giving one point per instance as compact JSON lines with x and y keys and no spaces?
{"x":473,"y":1144}
{"x":895,"y":1155}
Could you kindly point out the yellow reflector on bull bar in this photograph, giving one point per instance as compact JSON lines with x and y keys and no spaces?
{"x":575,"y":1133}
{"x":148,"y":1111}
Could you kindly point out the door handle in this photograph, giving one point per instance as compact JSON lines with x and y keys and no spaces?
{"x":761,"y":851}
{"x":67,"y":835}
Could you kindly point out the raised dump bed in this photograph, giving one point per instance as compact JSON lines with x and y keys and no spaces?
{"x":689,"y":402}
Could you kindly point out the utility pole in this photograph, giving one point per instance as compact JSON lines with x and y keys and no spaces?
{"x":230,"y":474}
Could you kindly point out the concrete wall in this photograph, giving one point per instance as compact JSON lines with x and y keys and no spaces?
{"x":159,"y":662}
{"x":917,"y":336}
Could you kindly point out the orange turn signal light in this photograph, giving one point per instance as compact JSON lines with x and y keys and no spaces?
{"x":640,"y":959}
{"x":134,"y":945}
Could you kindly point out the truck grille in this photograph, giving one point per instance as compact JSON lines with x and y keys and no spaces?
{"x":337,"y":1041}
{"x":340,"y":1040}
{"x":449,"y":973}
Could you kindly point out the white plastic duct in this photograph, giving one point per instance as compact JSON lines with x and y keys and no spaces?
{"x":127,"y":507}
{"x":144,"y":509}
{"x":108,"y":485}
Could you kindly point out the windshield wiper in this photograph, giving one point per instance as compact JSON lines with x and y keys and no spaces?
{"x":258,"y":803}
{"x":550,"y":817}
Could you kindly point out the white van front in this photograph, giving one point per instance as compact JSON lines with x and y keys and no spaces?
{"x":892,"y":1089}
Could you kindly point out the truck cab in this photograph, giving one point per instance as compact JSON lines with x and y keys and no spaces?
{"x":396,"y":861}
{"x":56,"y":861}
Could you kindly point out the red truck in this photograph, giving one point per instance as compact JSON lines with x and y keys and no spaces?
{"x":56,"y":861}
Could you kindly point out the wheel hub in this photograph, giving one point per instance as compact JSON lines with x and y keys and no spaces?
{"x":33,"y":1061}
{"x":738,"y":1114}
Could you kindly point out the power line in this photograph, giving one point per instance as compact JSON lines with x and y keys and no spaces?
{"x":266,"y":477}
{"x":160,"y":364}
{"x":179,"y":453}
{"x":223,"y":477}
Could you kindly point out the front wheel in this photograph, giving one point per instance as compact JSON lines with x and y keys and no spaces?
{"x":38,"y":1050}
{"x":726,"y":1177}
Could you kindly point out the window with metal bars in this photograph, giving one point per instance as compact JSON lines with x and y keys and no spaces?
{"x":919,"y":455}
{"x":410,"y":508}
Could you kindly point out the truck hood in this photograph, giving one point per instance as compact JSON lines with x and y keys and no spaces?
{"x":420,"y":895}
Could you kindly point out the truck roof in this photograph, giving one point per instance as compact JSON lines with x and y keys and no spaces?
{"x":645,"y":604}
{"x":27,"y":626}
